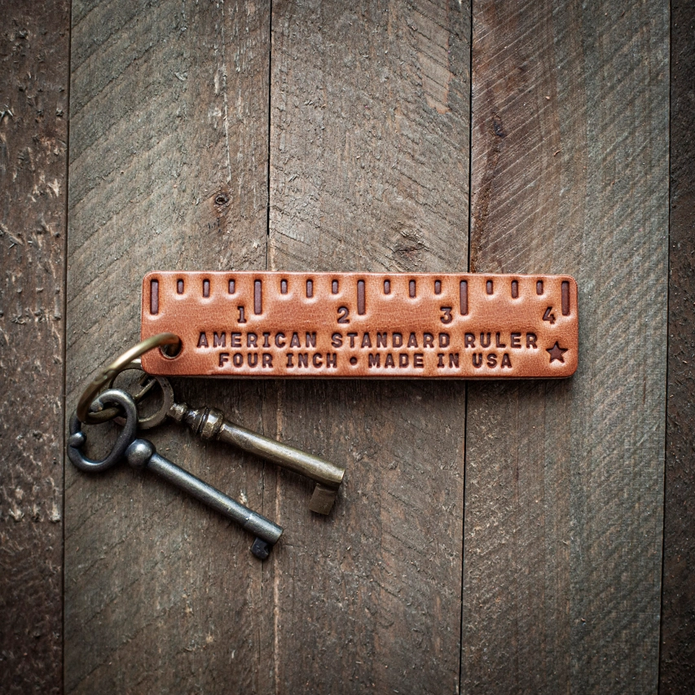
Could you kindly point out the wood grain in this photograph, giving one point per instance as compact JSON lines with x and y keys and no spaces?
{"x":564,"y":480}
{"x":677,"y":672}
{"x":369,"y":144}
{"x":369,"y":171}
{"x":168,"y":169}
{"x":34,"y":52}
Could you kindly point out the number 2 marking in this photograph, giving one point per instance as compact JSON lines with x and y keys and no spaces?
{"x":343,"y":313}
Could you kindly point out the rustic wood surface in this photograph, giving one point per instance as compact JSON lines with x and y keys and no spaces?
{"x":369,"y":171}
{"x":390,"y":553}
{"x":677,"y":673}
{"x":168,"y":169}
{"x":34,"y":52}
{"x":335,"y":136}
{"x":564,"y":480}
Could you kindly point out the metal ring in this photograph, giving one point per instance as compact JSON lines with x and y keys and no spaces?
{"x":158,"y":417}
{"x":77,"y":438}
{"x":110,"y":373}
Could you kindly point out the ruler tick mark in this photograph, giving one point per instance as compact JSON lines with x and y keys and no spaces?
{"x":283,"y":286}
{"x":489,"y":287}
{"x":565,"y":298}
{"x":360,"y":297}
{"x":206,"y":288}
{"x":154,"y":297}
{"x":179,"y":286}
{"x":412,"y":291}
{"x":257,"y":297}
{"x":309,"y":288}
{"x":230,"y":287}
{"x":387,"y":286}
{"x":463,"y":297}
{"x":334,"y":287}
{"x":539,"y":287}
{"x":437,"y":286}
{"x":515,"y":289}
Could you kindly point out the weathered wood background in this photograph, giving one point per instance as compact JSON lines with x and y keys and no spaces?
{"x":489,"y":538}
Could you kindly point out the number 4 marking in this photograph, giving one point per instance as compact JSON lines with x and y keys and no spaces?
{"x":548,"y":316}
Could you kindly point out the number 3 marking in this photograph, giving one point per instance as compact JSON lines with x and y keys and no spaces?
{"x":447,"y":318}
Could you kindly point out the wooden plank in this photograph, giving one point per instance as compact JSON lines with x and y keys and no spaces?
{"x":564,"y":480}
{"x":168,"y":169}
{"x":677,"y":672}
{"x":369,"y":171}
{"x":34,"y":51}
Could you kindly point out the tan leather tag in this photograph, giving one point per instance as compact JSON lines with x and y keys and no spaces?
{"x":271,"y":324}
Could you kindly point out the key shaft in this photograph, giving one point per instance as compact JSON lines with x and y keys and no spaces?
{"x":142,"y":454}
{"x":210,"y":423}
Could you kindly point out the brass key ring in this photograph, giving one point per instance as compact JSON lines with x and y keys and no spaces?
{"x":112,"y":371}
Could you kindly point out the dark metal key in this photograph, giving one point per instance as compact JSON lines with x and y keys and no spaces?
{"x":140,"y":453}
{"x":210,"y":423}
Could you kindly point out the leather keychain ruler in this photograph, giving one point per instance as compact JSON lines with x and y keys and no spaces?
{"x":447,"y":325}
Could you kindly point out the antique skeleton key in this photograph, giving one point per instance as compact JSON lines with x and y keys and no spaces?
{"x":141,"y":453}
{"x":210,"y":424}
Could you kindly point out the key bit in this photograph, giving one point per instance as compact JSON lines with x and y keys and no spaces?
{"x":209,"y":423}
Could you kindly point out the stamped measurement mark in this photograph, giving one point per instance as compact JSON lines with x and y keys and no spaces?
{"x":463,"y":297}
{"x":154,"y":297}
{"x":361,"y":293}
{"x":361,"y":308}
{"x":565,"y":292}
{"x":257,"y":297}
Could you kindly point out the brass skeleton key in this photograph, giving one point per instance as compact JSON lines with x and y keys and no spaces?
{"x":209,"y":423}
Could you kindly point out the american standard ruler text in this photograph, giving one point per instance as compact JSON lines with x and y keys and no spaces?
{"x":274,"y":324}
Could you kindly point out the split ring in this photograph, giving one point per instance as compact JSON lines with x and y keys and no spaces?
{"x":111,"y":372}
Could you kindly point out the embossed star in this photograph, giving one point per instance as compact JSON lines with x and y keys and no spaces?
{"x":556,"y":353}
